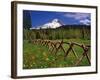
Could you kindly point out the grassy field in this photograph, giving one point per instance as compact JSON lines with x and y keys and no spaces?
{"x":38,"y":56}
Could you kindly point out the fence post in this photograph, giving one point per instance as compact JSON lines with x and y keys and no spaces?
{"x":83,"y":55}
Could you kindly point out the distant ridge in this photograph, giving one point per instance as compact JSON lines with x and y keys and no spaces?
{"x":75,"y":26}
{"x":56,"y":23}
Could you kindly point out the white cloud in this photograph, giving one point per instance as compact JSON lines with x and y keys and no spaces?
{"x":83,"y":18}
{"x":85,"y":21}
{"x":77,"y":16}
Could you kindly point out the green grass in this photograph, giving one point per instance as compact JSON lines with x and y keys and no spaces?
{"x":38,"y":56}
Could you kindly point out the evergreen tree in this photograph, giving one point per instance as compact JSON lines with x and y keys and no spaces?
{"x":26,"y":20}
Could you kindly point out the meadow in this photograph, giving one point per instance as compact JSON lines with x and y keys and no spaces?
{"x":39,"y":56}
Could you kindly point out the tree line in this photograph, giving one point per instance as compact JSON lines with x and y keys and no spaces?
{"x":63,"y":32}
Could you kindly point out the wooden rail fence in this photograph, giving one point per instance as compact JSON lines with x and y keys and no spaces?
{"x":55,"y":46}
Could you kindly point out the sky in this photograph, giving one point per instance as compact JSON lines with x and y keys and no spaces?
{"x":39,"y":18}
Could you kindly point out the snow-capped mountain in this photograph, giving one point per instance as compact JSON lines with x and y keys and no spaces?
{"x":55,"y":23}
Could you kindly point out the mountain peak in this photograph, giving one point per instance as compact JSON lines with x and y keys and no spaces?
{"x":55,"y":23}
{"x":55,"y":20}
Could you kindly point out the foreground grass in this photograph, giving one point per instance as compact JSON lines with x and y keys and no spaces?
{"x":38,"y":56}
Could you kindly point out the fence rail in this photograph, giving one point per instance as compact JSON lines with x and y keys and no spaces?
{"x":55,"y":46}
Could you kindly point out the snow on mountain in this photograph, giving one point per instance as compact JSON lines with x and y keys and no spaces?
{"x":55,"y":23}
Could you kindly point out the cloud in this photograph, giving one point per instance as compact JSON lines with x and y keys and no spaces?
{"x":83,"y":18}
{"x":77,"y":16}
{"x":85,"y":21}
